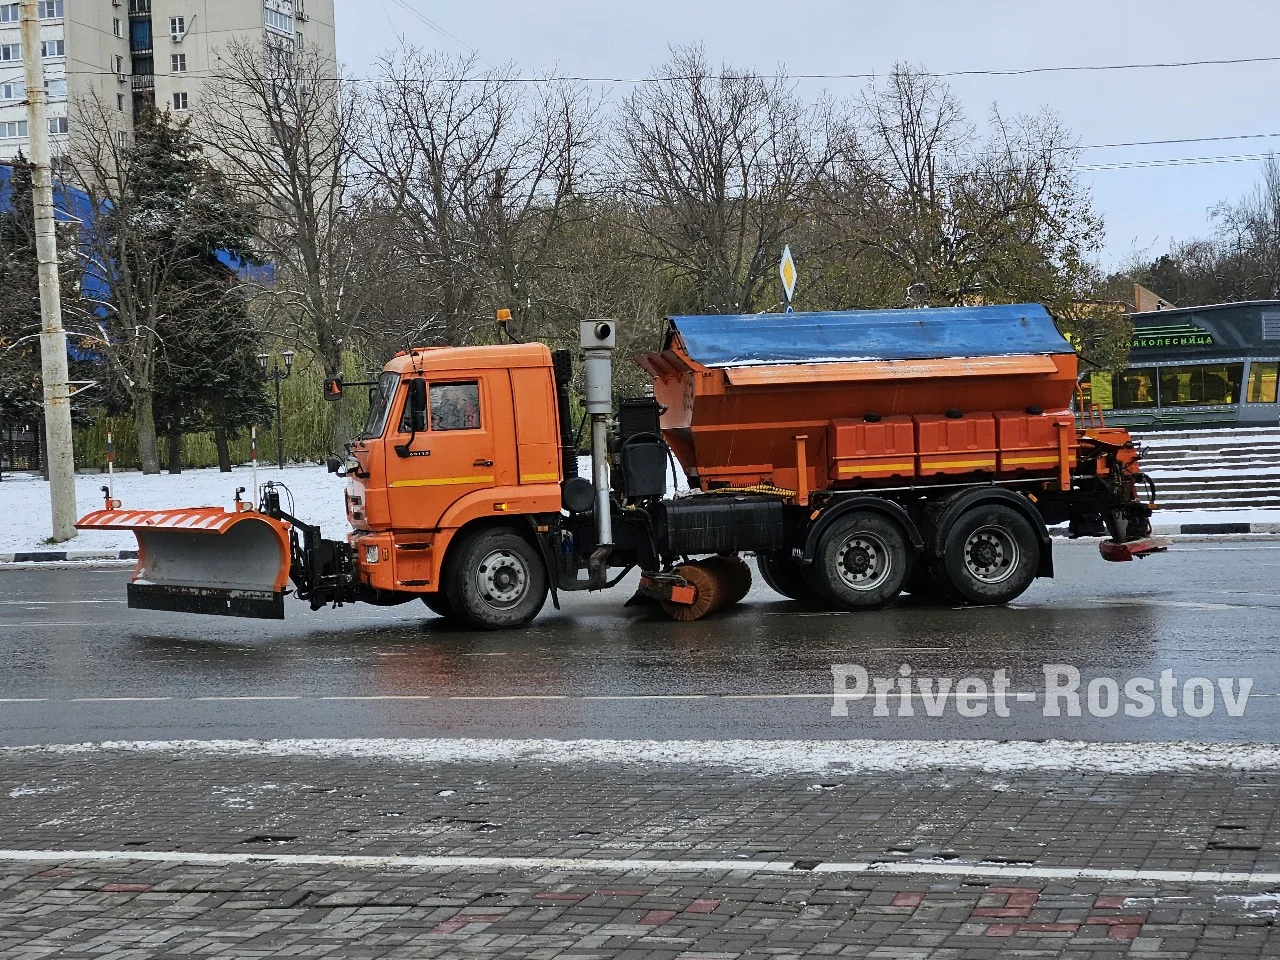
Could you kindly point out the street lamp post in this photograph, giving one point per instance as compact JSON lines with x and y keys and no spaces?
{"x":279,"y":376}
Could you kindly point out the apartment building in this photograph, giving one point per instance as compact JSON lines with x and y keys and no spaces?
{"x":130,"y":54}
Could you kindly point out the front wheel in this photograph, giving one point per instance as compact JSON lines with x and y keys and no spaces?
{"x":438,"y":603}
{"x":861,"y":563}
{"x":496,"y":580}
{"x":990,"y":555}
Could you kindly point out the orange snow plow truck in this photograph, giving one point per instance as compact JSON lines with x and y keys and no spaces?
{"x":857,"y":455}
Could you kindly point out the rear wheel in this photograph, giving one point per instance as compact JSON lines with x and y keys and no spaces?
{"x":990,"y":555}
{"x":784,"y":576}
{"x":496,"y":580}
{"x":861,"y":563}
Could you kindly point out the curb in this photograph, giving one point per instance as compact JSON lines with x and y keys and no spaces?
{"x":1212,"y":529}
{"x":59,"y":556}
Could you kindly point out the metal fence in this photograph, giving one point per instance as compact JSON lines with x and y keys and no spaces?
{"x":19,"y":449}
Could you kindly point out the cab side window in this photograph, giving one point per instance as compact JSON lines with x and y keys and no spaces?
{"x":407,"y":418}
{"x":455,"y":406}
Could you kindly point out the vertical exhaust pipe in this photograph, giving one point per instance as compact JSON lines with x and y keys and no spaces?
{"x":598,"y":338}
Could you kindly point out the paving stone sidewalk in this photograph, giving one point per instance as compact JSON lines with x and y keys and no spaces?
{"x":262,"y":805}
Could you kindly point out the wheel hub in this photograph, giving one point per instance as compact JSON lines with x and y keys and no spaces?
{"x":863,"y":561}
{"x":502,"y":579}
{"x":991,"y":554}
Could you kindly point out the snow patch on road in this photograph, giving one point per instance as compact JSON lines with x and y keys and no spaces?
{"x":746,"y":756}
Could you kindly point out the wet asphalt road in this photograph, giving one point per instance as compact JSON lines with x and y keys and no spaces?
{"x":80,"y":666}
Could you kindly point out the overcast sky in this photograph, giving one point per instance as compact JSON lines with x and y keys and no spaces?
{"x":1144,"y":208}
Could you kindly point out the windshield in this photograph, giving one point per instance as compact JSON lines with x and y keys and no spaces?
{"x":380,"y":398}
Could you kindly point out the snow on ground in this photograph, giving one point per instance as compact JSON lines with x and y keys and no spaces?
{"x":24,"y":502}
{"x":746,"y":756}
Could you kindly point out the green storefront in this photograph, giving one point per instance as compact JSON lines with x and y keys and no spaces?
{"x":1208,"y":366}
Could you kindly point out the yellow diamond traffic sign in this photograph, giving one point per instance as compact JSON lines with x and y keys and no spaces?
{"x":787,"y":271}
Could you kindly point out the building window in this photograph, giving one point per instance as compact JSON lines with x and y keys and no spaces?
{"x":1200,"y":385}
{"x":12,"y":91}
{"x":279,"y":20}
{"x":10,"y":51}
{"x":10,"y":13}
{"x":51,"y":10}
{"x":1263,"y":377}
{"x":117,"y":27}
{"x":119,"y":64}
{"x":139,"y":6}
{"x":122,"y":138}
{"x":57,"y":125}
{"x":1126,"y":390}
{"x":120,"y":102}
{"x":179,"y":61}
{"x":57,"y":88}
{"x":53,"y":48}
{"x":12,"y":129}
{"x":177,"y":28}
{"x":180,"y":101}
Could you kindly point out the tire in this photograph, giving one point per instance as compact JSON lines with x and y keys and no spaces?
{"x":925,"y":586}
{"x":496,"y":580}
{"x":782,"y":575}
{"x":990,"y":555}
{"x":438,"y":603}
{"x":861,"y":563}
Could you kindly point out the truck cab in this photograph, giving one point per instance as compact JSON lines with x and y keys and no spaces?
{"x":446,"y":444}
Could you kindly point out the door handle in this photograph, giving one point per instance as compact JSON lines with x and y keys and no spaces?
{"x":483,"y":463}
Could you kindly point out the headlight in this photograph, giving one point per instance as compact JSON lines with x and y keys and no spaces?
{"x":371,"y":553}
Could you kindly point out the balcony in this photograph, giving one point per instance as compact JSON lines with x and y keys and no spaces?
{"x":139,"y":8}
{"x":144,"y":82}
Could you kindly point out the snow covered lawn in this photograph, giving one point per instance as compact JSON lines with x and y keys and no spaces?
{"x":24,"y":502}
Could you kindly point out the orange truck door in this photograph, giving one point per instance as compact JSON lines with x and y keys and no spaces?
{"x":537,"y":433}
{"x":452,"y":457}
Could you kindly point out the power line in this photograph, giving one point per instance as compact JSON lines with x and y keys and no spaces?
{"x":668,"y":78}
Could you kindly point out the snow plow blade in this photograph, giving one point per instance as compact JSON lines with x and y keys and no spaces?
{"x":204,"y":560}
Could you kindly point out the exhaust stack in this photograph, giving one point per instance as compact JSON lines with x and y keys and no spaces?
{"x":598,"y":338}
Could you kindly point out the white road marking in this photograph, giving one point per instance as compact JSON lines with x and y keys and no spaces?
{"x":119,"y":699}
{"x":202,"y":699}
{"x":592,"y":865}
{"x":50,"y":603}
{"x":389,"y":696}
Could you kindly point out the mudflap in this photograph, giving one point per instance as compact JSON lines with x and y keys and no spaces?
{"x":1120,"y":552}
{"x":205,"y":560}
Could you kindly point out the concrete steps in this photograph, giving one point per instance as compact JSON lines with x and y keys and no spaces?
{"x":1203,"y":469}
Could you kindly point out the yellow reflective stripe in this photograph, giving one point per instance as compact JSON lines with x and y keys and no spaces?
{"x":1044,"y":459}
{"x":874,"y":467}
{"x":439,"y":481}
{"x":537,"y":477}
{"x":925,"y":462}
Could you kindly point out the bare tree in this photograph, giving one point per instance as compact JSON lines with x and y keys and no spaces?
{"x":282,"y":126}
{"x":952,"y":216}
{"x":159,"y":215}
{"x":716,"y":168}
{"x":487,"y":172}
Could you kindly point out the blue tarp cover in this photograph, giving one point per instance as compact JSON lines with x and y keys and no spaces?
{"x":831,"y":337}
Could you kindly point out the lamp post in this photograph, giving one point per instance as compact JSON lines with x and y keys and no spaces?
{"x":279,"y":376}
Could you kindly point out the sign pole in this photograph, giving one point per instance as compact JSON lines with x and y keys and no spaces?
{"x":53,"y":340}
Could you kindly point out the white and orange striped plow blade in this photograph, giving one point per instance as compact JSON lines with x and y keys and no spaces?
{"x":209,"y":560}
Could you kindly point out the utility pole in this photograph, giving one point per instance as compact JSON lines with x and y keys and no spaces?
{"x":53,"y":341}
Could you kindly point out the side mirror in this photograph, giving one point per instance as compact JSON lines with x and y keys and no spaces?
{"x":333,"y":388}
{"x":417,"y":405}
